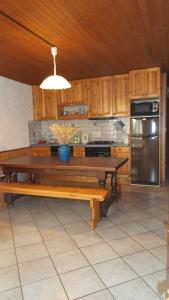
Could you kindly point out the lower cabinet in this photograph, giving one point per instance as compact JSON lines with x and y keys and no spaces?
{"x":41,"y":151}
{"x":124,"y":171}
{"x":79,"y":151}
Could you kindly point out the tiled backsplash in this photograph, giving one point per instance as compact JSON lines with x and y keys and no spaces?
{"x":116,"y":129}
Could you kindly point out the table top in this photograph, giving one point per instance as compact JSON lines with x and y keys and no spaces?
{"x":106,"y":164}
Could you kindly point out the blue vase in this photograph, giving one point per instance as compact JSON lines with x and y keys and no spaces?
{"x":64,"y":152}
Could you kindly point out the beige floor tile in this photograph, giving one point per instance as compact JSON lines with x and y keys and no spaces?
{"x":156,"y":211}
{"x":6,"y":243}
{"x":149,"y":240}
{"x":86,"y":239}
{"x":159,"y":282}
{"x":60,"y":245}
{"x":134,"y":290}
{"x":77,"y":228}
{"x":61,"y":209}
{"x":81,"y":282}
{"x":69,"y":261}
{"x":23,"y":227}
{"x":53,"y":232}
{"x":7,"y":258}
{"x":46,"y":220}
{"x":99,"y":253}
{"x":36,"y":270}
{"x":103,"y":295}
{"x":9,"y":278}
{"x":4,"y":216}
{"x":119,"y":218}
{"x":46,"y":289}
{"x":162,"y":253}
{"x":144,"y":263}
{"x":138,"y":215}
{"x":14,"y":294}
{"x":21,"y":217}
{"x":152,"y":223}
{"x":109,"y":233}
{"x":132,"y":228}
{"x":27,"y":238}
{"x":114,"y":272}
{"x":163,"y":233}
{"x":68,"y":218}
{"x":31,"y":252}
{"x":5,"y":230}
{"x":125,"y":246}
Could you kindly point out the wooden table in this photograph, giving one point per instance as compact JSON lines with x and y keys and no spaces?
{"x":99,"y":167}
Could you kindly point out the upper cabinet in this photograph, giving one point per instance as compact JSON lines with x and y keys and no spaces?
{"x":96,"y":97}
{"x":44,"y":104}
{"x":120,"y":102}
{"x":144,"y":83}
{"x":100,"y":96}
{"x":74,"y":102}
{"x":38,"y":103}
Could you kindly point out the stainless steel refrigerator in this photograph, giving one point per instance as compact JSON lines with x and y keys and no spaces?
{"x":145,"y":150}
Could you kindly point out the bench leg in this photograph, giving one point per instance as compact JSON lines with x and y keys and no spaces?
{"x":2,"y":202}
{"x":95,"y":213}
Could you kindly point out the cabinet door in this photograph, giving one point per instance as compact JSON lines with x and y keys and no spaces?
{"x":38,"y":103}
{"x":144,"y":83}
{"x":153,"y":82}
{"x":94,"y":97}
{"x":44,"y":104}
{"x":78,"y":151}
{"x":101,"y":96}
{"x":122,"y":152}
{"x":105,"y":100}
{"x":77,"y":94}
{"x":50,"y":99}
{"x":41,"y":151}
{"x":121,"y":96}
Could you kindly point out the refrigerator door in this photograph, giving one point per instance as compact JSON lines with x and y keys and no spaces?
{"x":144,"y":127}
{"x":145,"y":160}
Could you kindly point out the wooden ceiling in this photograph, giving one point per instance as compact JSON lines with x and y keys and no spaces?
{"x":94,"y":37}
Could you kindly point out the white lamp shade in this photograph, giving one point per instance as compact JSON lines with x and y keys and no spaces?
{"x":55,"y":82}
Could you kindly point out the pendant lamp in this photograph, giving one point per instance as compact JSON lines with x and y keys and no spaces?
{"x":55,"y":82}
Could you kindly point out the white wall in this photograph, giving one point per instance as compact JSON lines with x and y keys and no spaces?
{"x":15,"y":111}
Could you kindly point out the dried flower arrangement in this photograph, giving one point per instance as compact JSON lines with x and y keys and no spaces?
{"x":63,"y":133}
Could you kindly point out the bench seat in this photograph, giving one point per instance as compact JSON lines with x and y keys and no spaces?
{"x":93,"y":195}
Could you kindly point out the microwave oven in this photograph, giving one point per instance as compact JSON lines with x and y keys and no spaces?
{"x":145,"y":107}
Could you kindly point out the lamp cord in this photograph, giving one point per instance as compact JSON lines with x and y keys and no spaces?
{"x":54,"y":53}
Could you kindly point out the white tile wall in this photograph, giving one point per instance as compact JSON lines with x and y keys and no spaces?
{"x":97,"y":129}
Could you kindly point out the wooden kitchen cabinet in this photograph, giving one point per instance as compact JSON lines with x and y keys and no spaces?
{"x":124,"y":171}
{"x":101,"y":96}
{"x":120,"y":101}
{"x":45,"y":104}
{"x":77,"y":94}
{"x":144,"y":83}
{"x":79,"y":151}
{"x":40,"y":151}
{"x":38,"y":103}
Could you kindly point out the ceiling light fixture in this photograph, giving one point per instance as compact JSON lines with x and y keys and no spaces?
{"x":55,"y":82}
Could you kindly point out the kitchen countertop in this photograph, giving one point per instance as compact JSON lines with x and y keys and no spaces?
{"x":83,"y":145}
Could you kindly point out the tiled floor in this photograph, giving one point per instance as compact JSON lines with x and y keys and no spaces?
{"x":48,"y":251}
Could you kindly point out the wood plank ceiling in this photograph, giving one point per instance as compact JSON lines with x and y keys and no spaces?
{"x":94,"y":37}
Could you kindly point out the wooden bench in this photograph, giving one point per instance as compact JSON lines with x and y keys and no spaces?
{"x":93,"y":195}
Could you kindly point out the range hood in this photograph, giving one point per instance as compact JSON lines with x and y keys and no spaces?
{"x":102,"y":118}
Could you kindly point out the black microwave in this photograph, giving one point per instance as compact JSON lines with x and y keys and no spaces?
{"x":145,"y":107}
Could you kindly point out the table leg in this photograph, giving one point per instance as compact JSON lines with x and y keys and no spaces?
{"x":112,"y":195}
{"x":9,"y":198}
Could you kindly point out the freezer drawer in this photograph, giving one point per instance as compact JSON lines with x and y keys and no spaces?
{"x":145,"y":160}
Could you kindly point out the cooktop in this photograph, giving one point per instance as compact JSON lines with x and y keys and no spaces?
{"x":100,"y":142}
